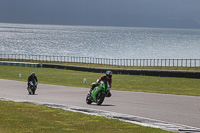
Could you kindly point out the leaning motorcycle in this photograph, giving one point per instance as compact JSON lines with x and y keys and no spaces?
{"x":32,"y":87}
{"x":98,"y":94}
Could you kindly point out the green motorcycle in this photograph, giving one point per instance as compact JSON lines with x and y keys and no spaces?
{"x":99,"y":93}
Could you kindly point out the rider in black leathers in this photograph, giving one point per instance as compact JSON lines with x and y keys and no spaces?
{"x":32,"y":78}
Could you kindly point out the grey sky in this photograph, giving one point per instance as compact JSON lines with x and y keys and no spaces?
{"x":137,"y":13}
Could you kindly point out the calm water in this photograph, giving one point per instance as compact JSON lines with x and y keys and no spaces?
{"x":102,"y":42}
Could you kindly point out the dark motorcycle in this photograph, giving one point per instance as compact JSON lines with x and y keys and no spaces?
{"x":32,"y":87}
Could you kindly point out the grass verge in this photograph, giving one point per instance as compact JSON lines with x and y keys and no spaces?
{"x":25,"y":117}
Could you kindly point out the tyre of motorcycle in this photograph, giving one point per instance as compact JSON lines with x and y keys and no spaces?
{"x":88,"y":99}
{"x":33,"y":91}
{"x":100,"y":98}
{"x":29,"y":91}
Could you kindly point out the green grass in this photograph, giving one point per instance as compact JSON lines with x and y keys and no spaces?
{"x":165,"y":85}
{"x":30,"y":118}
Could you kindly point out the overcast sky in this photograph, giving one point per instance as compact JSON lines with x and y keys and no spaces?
{"x":136,"y":13}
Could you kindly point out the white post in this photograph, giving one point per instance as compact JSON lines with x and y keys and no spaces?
{"x":84,"y":80}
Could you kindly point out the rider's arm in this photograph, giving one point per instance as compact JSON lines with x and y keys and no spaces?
{"x":101,"y":78}
{"x":36,"y":79}
{"x":29,"y":79}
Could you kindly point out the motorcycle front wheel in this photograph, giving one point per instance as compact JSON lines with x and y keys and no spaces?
{"x":88,"y":99}
{"x":33,"y":90}
{"x":100,"y":98}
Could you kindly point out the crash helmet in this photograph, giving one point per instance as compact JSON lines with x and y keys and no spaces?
{"x":32,"y":74}
{"x":109,"y":74}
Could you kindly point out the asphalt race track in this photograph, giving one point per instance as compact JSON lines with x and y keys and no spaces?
{"x":176,"y":112}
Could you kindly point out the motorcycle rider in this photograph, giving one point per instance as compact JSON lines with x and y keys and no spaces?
{"x":32,"y":78}
{"x":107,"y":78}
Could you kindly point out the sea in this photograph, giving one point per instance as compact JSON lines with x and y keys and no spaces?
{"x":100,"y":41}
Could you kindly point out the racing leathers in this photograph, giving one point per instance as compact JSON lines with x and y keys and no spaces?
{"x":32,"y":78}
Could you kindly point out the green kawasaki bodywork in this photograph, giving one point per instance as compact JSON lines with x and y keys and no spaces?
{"x":99,"y":88}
